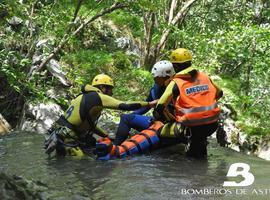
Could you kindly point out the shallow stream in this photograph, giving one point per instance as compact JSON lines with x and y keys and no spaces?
{"x":163,"y":174}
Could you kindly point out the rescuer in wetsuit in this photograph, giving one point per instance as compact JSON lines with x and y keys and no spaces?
{"x":73,"y":131}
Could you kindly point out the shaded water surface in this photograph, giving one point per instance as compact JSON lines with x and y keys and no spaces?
{"x":164,"y":174}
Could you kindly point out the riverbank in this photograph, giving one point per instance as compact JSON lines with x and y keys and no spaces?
{"x":40,"y":117}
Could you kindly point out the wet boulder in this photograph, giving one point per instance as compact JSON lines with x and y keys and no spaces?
{"x":15,"y":23}
{"x":264,"y":149}
{"x":17,"y":188}
{"x":56,"y":70}
{"x":4,"y":125}
{"x":234,"y":136}
{"x":39,"y":118}
{"x":131,"y":48}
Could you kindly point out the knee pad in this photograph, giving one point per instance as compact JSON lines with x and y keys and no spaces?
{"x":168,"y":130}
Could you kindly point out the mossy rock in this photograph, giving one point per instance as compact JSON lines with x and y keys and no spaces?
{"x":17,"y":188}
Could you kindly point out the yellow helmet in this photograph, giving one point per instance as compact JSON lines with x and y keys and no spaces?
{"x":180,"y":55}
{"x":102,"y":79}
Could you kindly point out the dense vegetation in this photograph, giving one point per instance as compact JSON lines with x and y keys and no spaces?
{"x":229,"y":39}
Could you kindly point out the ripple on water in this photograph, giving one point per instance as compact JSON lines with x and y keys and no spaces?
{"x":2,"y":148}
{"x":160,"y":175}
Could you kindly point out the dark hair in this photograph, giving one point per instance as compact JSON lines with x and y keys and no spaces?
{"x":181,"y":66}
{"x":103,"y":85}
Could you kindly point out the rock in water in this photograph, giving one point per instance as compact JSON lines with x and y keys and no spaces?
{"x":4,"y":126}
{"x":264,"y":149}
{"x":16,"y":188}
{"x":40,"y":117}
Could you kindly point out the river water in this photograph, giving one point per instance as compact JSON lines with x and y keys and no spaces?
{"x":163,"y":174}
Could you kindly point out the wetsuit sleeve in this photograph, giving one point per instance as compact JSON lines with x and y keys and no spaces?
{"x":144,"y":110}
{"x":219,"y":93}
{"x":110,"y":102}
{"x":167,"y":95}
{"x":141,"y":111}
{"x":164,"y":101}
{"x":101,"y":132}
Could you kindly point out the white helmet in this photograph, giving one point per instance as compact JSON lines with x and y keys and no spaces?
{"x":163,"y":68}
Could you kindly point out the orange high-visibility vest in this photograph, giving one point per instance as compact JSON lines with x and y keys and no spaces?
{"x":196,"y":104}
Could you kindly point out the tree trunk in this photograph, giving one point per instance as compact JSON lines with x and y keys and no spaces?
{"x":77,"y":10}
{"x":148,"y":33}
{"x":172,"y":21}
{"x":249,"y":67}
{"x":172,"y":10}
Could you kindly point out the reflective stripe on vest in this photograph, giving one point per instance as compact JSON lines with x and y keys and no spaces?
{"x":198,"y":109}
{"x":207,"y":120}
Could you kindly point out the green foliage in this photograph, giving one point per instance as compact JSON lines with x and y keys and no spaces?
{"x":12,"y":69}
{"x":130,"y":23}
{"x":131,"y":83}
{"x":121,"y":60}
{"x":227,"y":38}
{"x":87,"y":63}
{"x":231,"y":40}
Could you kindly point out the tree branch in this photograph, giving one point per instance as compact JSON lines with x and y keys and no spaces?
{"x":178,"y":17}
{"x":31,"y":44}
{"x":172,"y":9}
{"x":182,"y":11}
{"x":66,"y":37}
{"x":77,"y":10}
{"x":148,"y":28}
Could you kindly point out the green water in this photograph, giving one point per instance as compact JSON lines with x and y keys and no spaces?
{"x":164,"y":174}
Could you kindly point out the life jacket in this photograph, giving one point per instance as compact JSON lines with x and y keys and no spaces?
{"x":138,"y":143}
{"x":77,"y":116}
{"x":196,"y":105}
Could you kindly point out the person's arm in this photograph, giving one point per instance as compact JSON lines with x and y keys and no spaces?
{"x":144,"y":110}
{"x":141,"y":111}
{"x":110,"y":102}
{"x":160,"y":110}
{"x":100,"y":131}
{"x":219,"y":92}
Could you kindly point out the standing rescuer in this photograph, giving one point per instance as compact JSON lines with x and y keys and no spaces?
{"x":195,"y":101}
{"x":73,"y":131}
